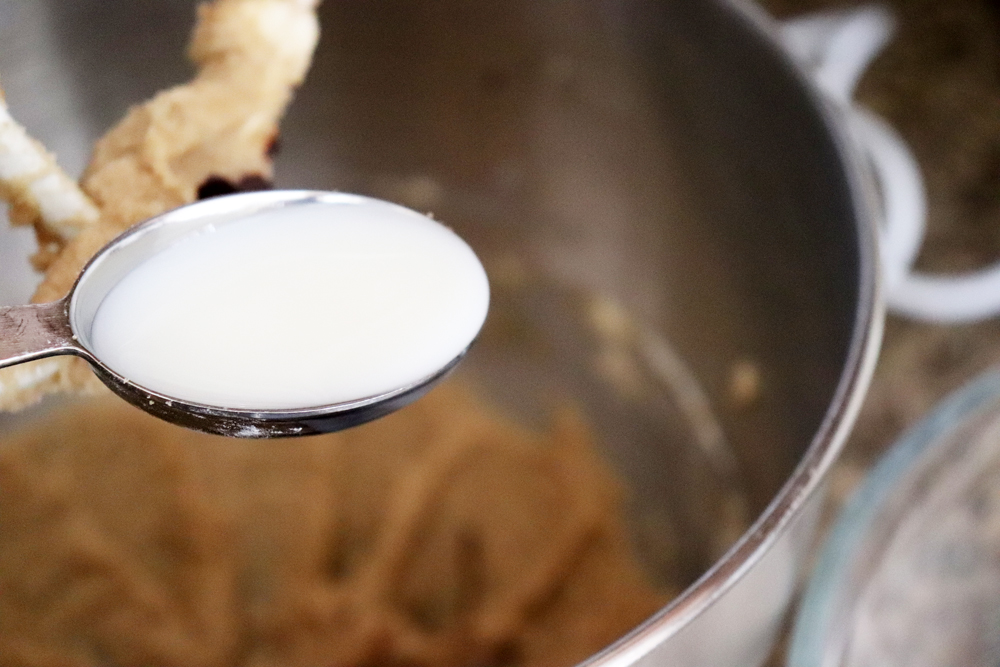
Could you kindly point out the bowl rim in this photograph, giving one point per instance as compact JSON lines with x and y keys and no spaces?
{"x":828,"y":441}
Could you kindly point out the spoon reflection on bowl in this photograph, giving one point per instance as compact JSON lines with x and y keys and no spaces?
{"x":267,"y":314}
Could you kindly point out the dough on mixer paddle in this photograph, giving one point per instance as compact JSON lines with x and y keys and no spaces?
{"x":38,"y":191}
{"x":442,"y":535}
{"x":251,"y":55}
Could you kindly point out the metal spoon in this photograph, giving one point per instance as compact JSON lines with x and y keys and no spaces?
{"x":63,"y":327}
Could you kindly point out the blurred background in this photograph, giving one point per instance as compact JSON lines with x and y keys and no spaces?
{"x":938,"y":83}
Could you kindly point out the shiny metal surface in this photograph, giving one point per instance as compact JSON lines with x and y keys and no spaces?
{"x":35,"y":331}
{"x":659,"y":159}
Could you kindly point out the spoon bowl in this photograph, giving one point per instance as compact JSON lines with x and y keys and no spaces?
{"x":66,"y":326}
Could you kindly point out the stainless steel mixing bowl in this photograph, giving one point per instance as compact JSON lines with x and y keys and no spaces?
{"x":675,"y":238}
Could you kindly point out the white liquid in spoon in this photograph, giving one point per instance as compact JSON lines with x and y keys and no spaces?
{"x":296,"y":307}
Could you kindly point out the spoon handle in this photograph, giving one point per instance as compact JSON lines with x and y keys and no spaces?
{"x":35,"y":331}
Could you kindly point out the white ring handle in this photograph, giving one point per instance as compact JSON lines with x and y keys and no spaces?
{"x":901,"y":186}
{"x":835,"y":48}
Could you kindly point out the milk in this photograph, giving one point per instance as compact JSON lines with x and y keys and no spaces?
{"x":296,"y":307}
